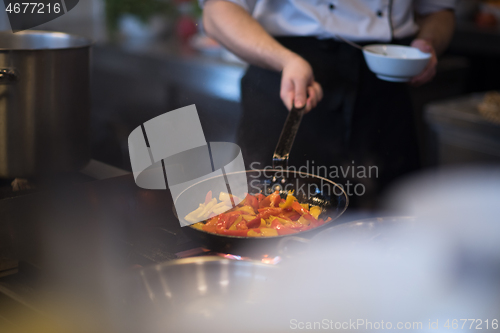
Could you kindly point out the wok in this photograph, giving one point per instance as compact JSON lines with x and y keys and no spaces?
{"x":315,"y":190}
{"x":308,"y":188}
{"x":379,"y":231}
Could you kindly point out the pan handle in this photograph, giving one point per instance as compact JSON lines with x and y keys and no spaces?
{"x":283,"y":245}
{"x":7,"y":76}
{"x":287,"y":137}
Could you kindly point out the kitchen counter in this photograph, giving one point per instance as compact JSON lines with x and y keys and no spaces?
{"x":173,"y":64}
{"x":134,"y":81}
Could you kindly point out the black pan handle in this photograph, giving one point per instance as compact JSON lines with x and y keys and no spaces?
{"x":7,"y":76}
{"x":287,"y":137}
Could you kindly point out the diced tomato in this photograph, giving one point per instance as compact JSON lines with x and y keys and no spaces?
{"x":252,"y":201}
{"x":208,"y":197}
{"x":260,"y":197}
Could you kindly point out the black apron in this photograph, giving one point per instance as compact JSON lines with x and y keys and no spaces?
{"x":363,"y":131}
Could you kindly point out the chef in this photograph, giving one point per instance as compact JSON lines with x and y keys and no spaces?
{"x":297,"y":57}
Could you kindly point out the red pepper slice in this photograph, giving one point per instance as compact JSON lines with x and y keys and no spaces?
{"x":307,"y":227}
{"x":212,"y":221}
{"x":251,"y":201}
{"x":299,"y":209}
{"x":255,"y":222}
{"x":242,"y":225}
{"x":209,"y":228}
{"x":286,"y":231}
{"x":294,"y":217}
{"x":295,"y":226}
{"x":321,"y":221}
{"x":275,"y":199}
{"x":266,"y":202}
{"x":221,"y":222}
{"x":309,"y":217}
{"x":230,"y":220}
{"x":238,"y":212}
{"x":265,"y":213}
{"x":282,"y":230}
{"x":282,"y":216}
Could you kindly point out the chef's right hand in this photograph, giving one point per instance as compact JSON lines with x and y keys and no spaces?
{"x":297,"y":84}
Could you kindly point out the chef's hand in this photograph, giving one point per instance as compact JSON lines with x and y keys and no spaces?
{"x":298,"y":86}
{"x":430,"y":70}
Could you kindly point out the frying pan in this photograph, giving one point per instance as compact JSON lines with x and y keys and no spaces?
{"x":308,"y":188}
{"x":379,"y":231}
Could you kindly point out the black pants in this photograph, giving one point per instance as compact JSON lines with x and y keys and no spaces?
{"x":362,"y":121}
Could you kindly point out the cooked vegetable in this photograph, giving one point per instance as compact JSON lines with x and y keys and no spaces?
{"x":255,"y":216}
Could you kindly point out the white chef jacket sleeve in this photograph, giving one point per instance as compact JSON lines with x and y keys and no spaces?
{"x":248,"y":5}
{"x":424,"y":7}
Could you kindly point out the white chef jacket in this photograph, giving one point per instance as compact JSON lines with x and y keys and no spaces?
{"x":357,"y":20}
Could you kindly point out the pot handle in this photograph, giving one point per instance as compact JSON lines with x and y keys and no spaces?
{"x":283,"y":245}
{"x":7,"y":76}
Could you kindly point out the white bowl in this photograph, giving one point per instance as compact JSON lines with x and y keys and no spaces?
{"x":395,"y":63}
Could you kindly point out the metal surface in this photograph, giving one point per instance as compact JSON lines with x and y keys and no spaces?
{"x":44,"y":103}
{"x":308,"y":188}
{"x":163,"y":296}
{"x":287,"y":137}
{"x":7,"y":76}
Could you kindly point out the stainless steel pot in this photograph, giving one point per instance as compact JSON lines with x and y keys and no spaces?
{"x":44,"y":103}
{"x":193,"y":294}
